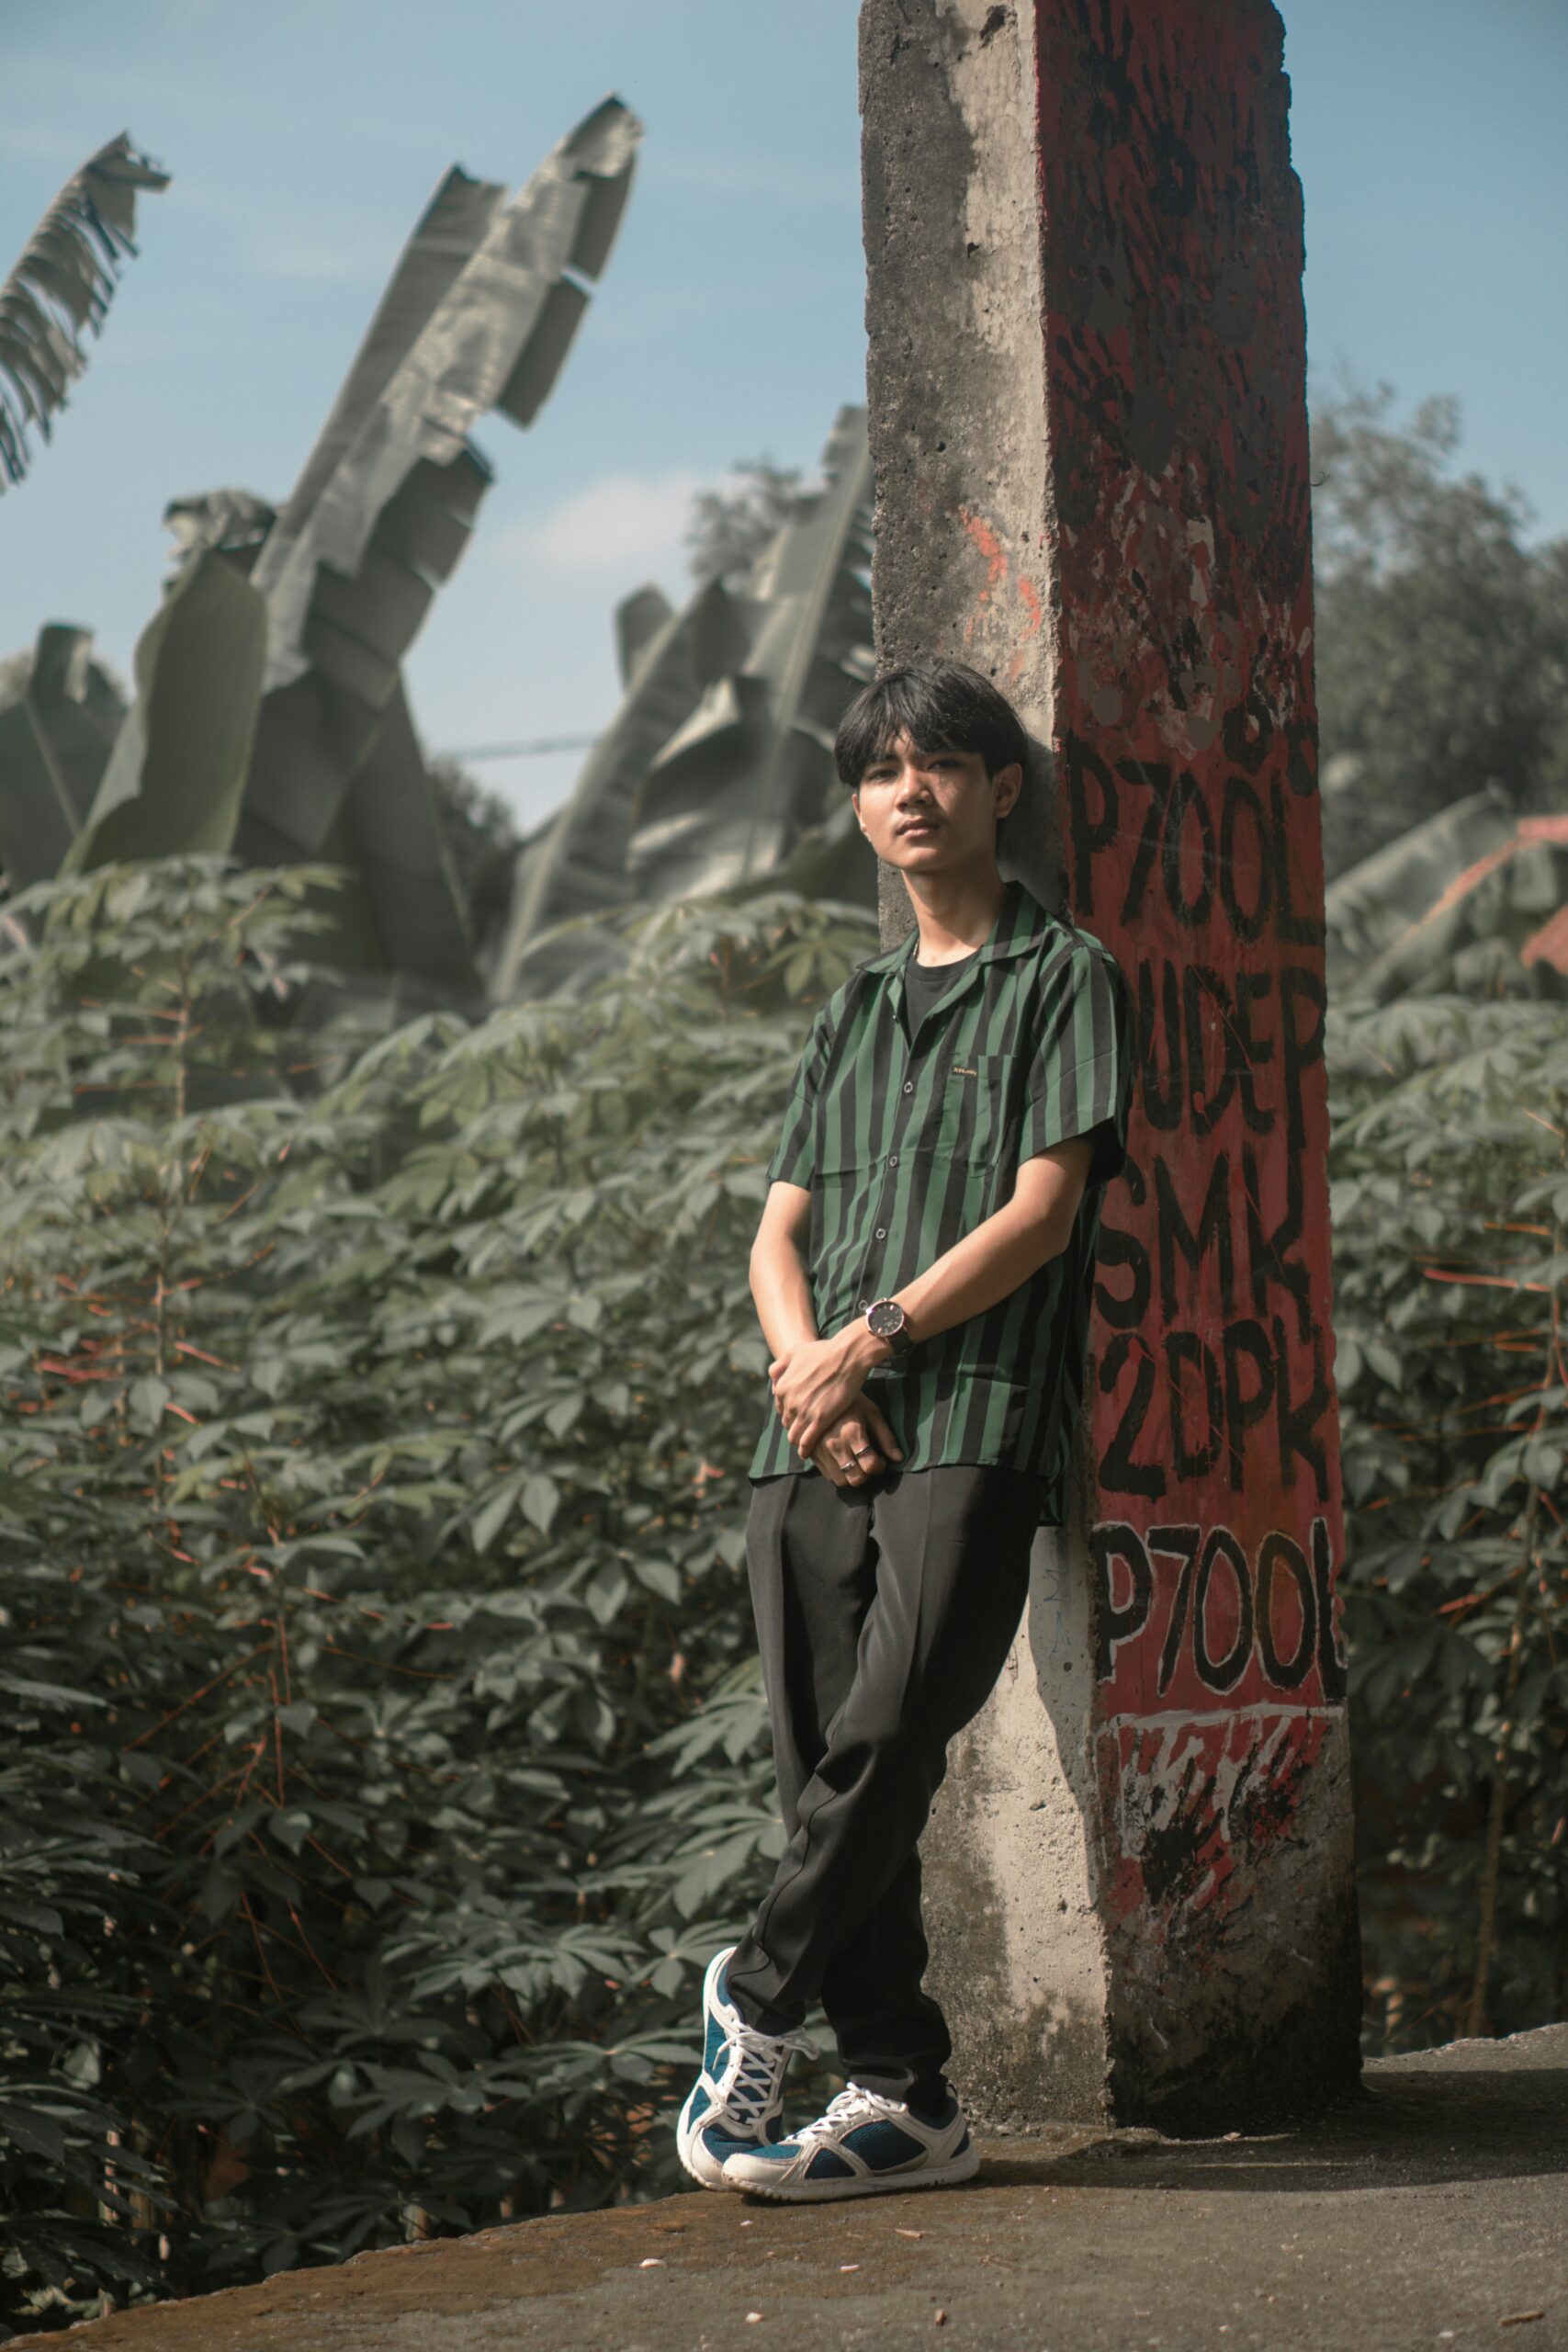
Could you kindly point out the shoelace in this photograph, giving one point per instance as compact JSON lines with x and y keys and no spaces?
{"x":853,"y":2105}
{"x":758,"y":2067}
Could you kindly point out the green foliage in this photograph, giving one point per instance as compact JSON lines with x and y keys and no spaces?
{"x":479,"y":828}
{"x":1450,"y":1238}
{"x":386,"y":1755}
{"x":389,"y":1753}
{"x":733,"y":525}
{"x":1442,"y":635}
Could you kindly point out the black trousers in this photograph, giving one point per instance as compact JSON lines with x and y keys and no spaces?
{"x":885,"y":1615}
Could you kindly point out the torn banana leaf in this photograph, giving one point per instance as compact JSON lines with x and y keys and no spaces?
{"x":480,"y":315}
{"x":178,"y":766}
{"x":751,"y":774}
{"x":580,"y":869}
{"x":1371,"y":908}
{"x":64,"y":281}
{"x":54,"y":746}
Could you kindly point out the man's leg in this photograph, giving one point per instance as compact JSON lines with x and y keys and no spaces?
{"x":950,"y":1564}
{"x":811,"y":1562}
{"x":892,"y":2035}
{"x":808,"y":1553}
{"x":812,"y":1555}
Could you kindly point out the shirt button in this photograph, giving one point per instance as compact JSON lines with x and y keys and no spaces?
{"x":893,"y":1160}
{"x":908,"y":1086}
{"x":861,"y":1307}
{"x":882,"y":1233}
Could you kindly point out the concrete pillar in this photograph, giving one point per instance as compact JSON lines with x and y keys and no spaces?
{"x":1087,"y":384}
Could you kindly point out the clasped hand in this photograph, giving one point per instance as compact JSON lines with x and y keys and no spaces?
{"x":827,"y":1416}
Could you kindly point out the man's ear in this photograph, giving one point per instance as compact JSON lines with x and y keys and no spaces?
{"x":1010,"y":780}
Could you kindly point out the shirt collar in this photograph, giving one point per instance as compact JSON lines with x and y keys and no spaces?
{"x":1021,"y":920}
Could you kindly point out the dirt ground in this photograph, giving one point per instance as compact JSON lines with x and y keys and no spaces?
{"x":1434,"y":2214}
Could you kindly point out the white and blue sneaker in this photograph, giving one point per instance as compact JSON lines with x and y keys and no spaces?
{"x":735,"y":2104}
{"x":862,"y":2143}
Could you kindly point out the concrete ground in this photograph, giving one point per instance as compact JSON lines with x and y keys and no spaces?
{"x":1434,"y":2214}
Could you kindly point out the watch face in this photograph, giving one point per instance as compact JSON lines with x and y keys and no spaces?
{"x":885,"y":1318}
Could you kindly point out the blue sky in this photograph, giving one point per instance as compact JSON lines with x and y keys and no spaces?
{"x":304,"y":137}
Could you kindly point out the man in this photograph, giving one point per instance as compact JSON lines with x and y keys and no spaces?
{"x":921,"y":1274}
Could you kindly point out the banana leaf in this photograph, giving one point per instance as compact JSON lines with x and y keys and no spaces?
{"x":175,"y":777}
{"x":448,"y":235}
{"x":63,"y":282}
{"x":234,"y":522}
{"x":479,"y":315}
{"x":1485,"y":932}
{"x":579,"y":870}
{"x":54,"y":746}
{"x":404,"y":875}
{"x":749,"y":776}
{"x":638,"y":619}
{"x":1389,"y":913}
{"x":387,"y":500}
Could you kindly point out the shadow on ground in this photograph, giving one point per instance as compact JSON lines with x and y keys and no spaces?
{"x":1418,"y":2127}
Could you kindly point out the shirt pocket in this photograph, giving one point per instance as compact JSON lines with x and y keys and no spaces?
{"x":972,"y":1119}
{"x":840,"y":1198}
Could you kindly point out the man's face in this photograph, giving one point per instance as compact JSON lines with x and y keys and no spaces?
{"x":928,"y":812}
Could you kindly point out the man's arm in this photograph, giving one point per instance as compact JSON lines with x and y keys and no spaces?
{"x":1079,"y":1077}
{"x":782,"y":1293}
{"x":779,"y":1285}
{"x":815,"y":1379}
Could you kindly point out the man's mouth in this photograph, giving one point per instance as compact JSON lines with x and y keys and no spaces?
{"x":919,"y":825}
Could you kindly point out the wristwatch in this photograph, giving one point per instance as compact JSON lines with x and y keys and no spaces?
{"x":884,"y":1319}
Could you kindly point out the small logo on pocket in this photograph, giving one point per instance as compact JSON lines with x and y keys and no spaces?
{"x":961,"y":1069}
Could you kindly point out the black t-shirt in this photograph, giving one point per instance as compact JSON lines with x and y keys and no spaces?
{"x":927,"y":984}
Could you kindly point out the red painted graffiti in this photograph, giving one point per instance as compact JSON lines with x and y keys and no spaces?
{"x":1185,"y":730}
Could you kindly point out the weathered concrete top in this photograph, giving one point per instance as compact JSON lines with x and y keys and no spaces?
{"x":1430,"y":2214}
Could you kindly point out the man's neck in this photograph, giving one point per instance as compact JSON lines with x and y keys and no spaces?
{"x":955,"y":913}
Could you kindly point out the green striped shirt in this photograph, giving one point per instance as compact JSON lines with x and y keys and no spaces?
{"x":906,"y":1142}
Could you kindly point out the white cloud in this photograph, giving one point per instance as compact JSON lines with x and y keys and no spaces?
{"x":625,"y":523}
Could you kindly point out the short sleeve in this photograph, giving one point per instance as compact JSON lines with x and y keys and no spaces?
{"x":1080,"y":1069}
{"x":794,"y":1155}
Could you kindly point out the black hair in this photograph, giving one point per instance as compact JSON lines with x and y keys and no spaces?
{"x":940,"y":706}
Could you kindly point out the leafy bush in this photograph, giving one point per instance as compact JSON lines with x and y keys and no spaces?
{"x":1441,"y":629}
{"x":1450,"y":1241}
{"x":389,"y":1756}
{"x":385,"y":1752}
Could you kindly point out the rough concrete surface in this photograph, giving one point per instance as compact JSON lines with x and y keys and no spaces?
{"x":1086,"y":378}
{"x":955,"y":383}
{"x":1433,"y":2211}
